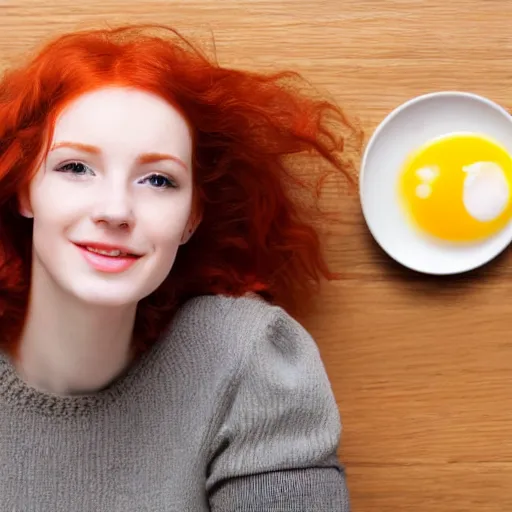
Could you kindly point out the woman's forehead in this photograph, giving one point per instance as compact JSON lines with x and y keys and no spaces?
{"x":115,"y":118}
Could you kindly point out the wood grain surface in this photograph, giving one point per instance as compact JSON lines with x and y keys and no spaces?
{"x":421,"y":367}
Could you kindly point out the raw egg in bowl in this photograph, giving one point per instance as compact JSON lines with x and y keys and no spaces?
{"x":436,"y":182}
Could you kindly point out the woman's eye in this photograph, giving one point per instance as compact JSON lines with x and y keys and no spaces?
{"x":160,"y":181}
{"x":76,"y":168}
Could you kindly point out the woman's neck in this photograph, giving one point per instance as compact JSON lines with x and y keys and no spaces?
{"x":68,"y":347}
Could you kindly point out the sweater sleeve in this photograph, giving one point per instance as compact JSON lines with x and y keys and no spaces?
{"x":276,"y":449}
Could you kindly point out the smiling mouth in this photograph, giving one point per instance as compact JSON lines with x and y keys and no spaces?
{"x":107,"y":260}
{"x":113,"y":253}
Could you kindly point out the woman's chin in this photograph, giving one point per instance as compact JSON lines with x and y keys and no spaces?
{"x":107,"y":296}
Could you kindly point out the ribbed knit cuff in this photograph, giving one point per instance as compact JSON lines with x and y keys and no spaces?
{"x":301,"y":490}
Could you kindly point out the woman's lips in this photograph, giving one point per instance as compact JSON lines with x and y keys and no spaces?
{"x":107,"y":263}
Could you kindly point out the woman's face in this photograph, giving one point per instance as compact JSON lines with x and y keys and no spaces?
{"x":113,"y":199}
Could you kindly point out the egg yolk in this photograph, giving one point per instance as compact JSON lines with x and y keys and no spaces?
{"x":458,"y":187}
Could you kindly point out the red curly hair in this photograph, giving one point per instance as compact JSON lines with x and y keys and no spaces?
{"x":257,"y":233}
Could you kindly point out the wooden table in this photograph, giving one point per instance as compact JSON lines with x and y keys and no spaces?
{"x":422,"y":368}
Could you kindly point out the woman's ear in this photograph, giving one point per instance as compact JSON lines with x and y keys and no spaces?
{"x":192,"y":224}
{"x":24,"y":206}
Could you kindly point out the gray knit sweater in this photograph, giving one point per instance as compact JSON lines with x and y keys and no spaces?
{"x":230,"y":411}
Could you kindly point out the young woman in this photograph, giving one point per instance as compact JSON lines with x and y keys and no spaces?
{"x":154,"y":242}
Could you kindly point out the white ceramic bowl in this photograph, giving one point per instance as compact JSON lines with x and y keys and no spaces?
{"x":409,"y":126}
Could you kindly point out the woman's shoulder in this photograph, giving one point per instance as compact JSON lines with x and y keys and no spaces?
{"x":227,"y":323}
{"x":225,"y":312}
{"x":234,"y":319}
{"x":231,"y":330}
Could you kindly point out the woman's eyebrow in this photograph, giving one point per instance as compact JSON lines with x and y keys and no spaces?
{"x":149,"y":158}
{"x":87,"y":148}
{"x":145,"y":158}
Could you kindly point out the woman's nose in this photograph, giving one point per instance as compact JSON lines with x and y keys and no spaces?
{"x":114,"y":210}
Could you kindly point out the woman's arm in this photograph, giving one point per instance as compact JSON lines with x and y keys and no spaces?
{"x":277,"y":447}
